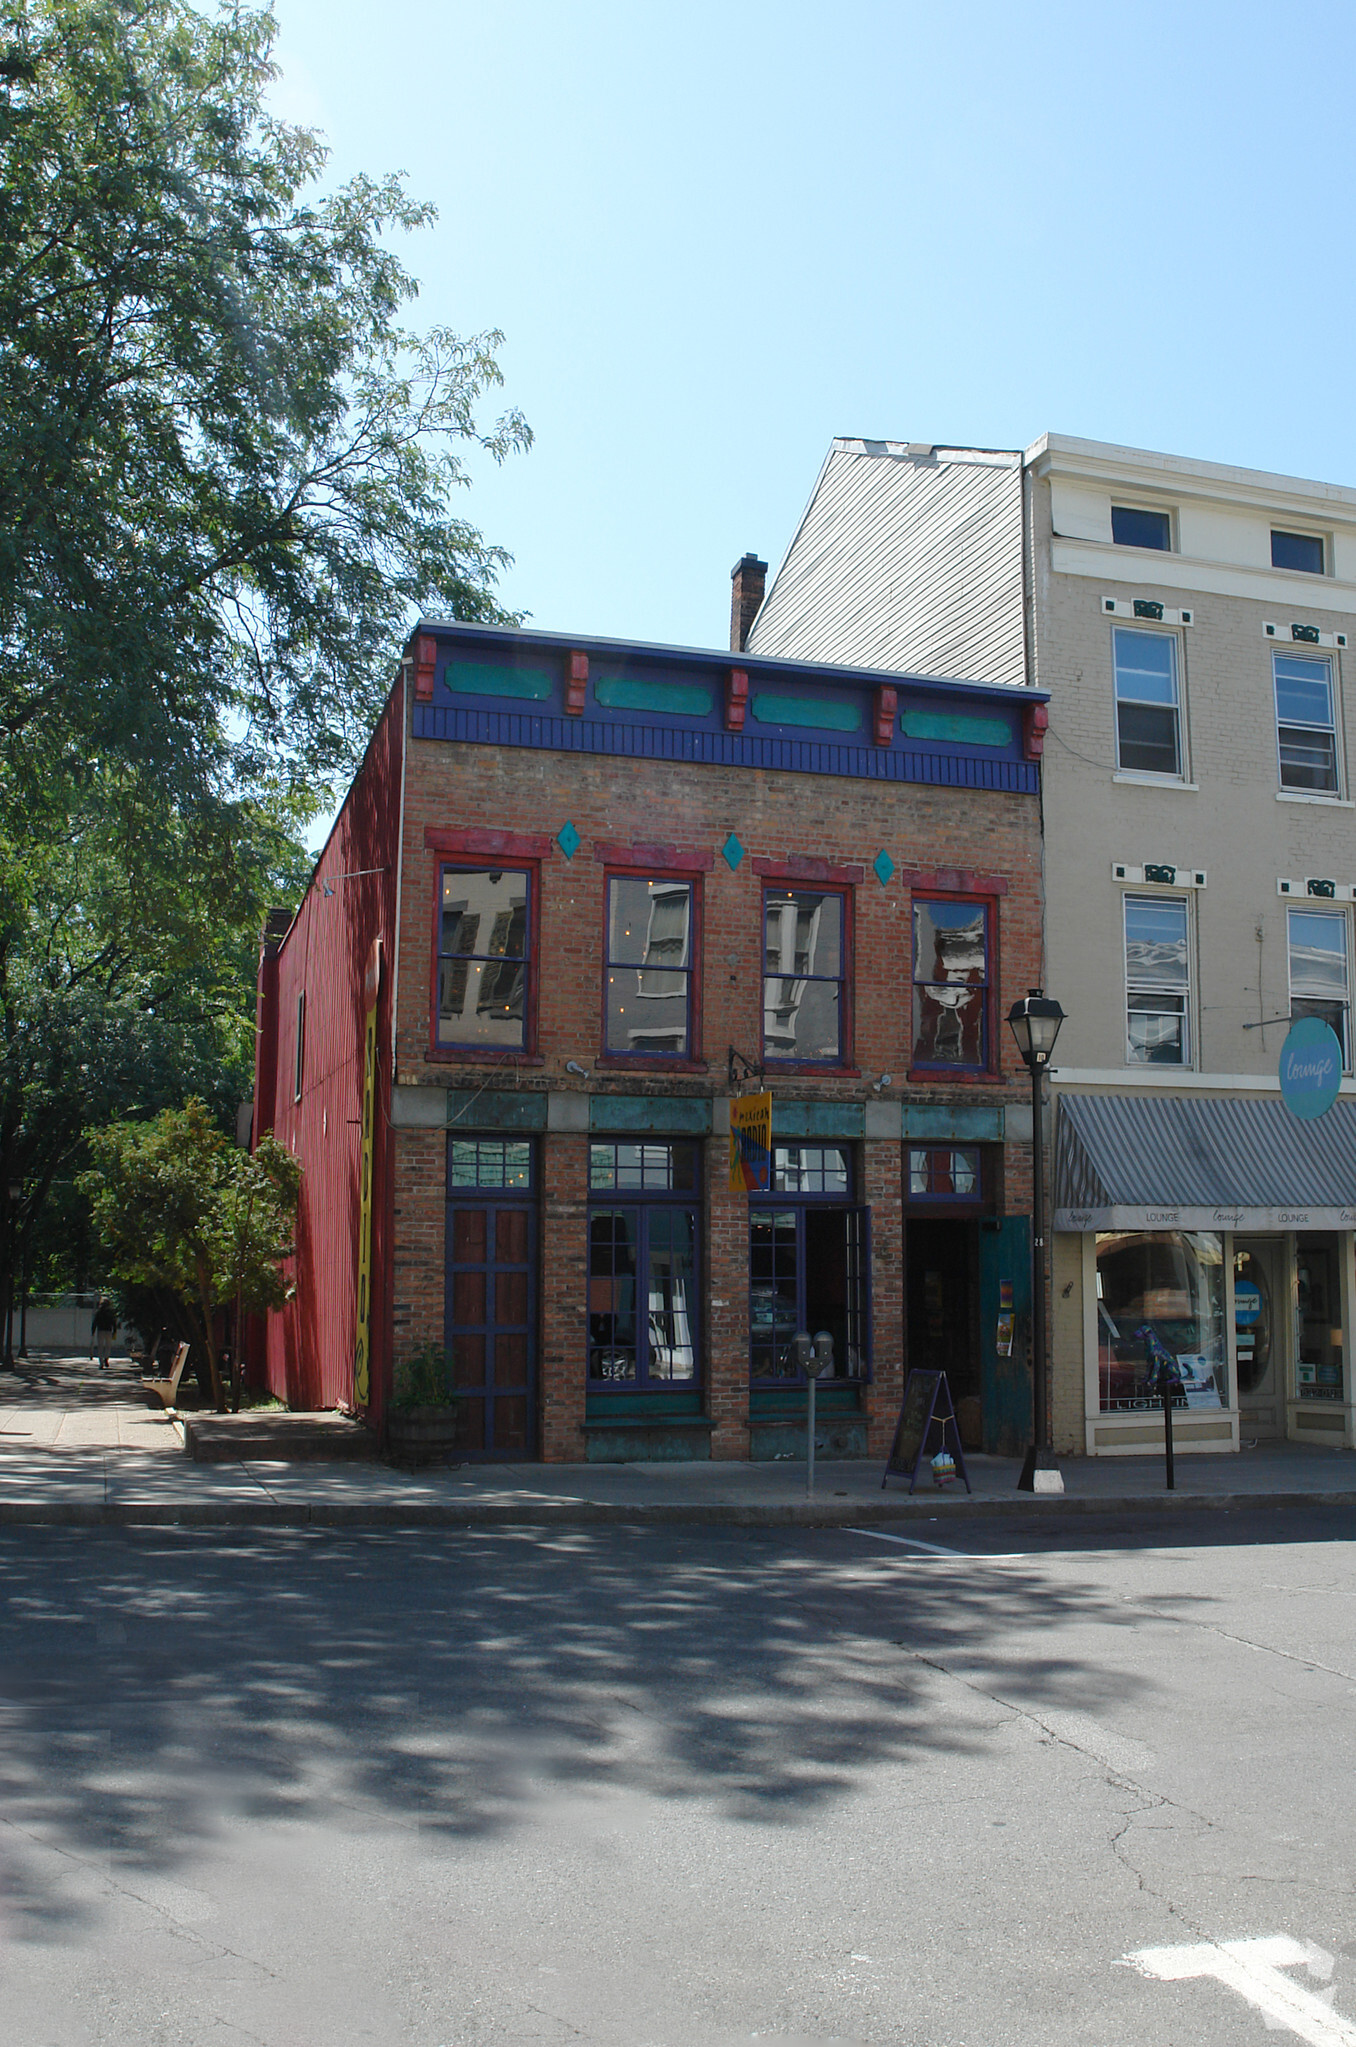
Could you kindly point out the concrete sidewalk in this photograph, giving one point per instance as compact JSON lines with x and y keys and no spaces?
{"x":84,"y":1447}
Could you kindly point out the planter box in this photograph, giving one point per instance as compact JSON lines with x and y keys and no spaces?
{"x":421,"y":1435}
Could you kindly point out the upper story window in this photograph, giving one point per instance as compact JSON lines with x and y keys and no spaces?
{"x":952,"y":974}
{"x":804,"y":974}
{"x":1157,"y":981}
{"x":1148,"y":701}
{"x":1319,"y":974}
{"x":1302,"y":551}
{"x":1306,"y":727}
{"x":1132,"y":526}
{"x":648,"y":971}
{"x":483,"y":953}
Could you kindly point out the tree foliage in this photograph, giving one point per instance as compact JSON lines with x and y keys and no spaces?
{"x":128,"y":939}
{"x":226,"y":466}
{"x":183,"y":1210}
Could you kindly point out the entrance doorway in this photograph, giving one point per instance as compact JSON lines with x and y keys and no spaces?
{"x":490,"y":1316}
{"x":1259,"y":1334}
{"x":942,"y":1313}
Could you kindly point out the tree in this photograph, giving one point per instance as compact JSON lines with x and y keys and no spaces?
{"x":226,"y":468}
{"x":181,"y":1209}
{"x":128,"y":941}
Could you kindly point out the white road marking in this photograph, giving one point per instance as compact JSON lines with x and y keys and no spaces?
{"x":935,"y":1549}
{"x":1253,"y":1968}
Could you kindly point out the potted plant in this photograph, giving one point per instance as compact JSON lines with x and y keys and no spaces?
{"x":421,"y":1422}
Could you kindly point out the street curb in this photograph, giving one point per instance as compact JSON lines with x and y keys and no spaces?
{"x":463,"y":1514}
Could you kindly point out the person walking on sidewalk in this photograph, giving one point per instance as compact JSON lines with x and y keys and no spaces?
{"x":102,"y":1330}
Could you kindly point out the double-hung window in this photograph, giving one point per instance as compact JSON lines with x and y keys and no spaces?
{"x":643,"y":1304}
{"x":1306,"y":725}
{"x":483,"y":953}
{"x":1319,"y":975}
{"x":805,"y":940}
{"x":1157,"y":981}
{"x":648,"y":971}
{"x":1148,"y":702}
{"x":952,"y":983}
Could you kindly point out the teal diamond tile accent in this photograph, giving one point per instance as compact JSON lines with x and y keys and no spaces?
{"x":883,"y":867}
{"x":732,"y":853}
{"x":567,"y":838}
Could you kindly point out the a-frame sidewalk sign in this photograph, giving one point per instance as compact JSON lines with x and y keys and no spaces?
{"x":927,"y":1405}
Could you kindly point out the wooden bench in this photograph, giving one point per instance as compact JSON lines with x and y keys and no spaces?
{"x":167,"y":1389}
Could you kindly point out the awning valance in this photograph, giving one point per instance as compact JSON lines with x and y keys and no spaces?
{"x":1220,"y":1163}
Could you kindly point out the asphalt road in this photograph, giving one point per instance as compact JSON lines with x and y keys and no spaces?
{"x":674,"y":1789}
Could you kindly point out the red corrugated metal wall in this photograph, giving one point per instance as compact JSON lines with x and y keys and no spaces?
{"x":351,"y":902}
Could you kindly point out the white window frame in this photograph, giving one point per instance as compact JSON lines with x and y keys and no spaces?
{"x":1318,"y":908}
{"x":1147,"y":631}
{"x":1329,"y":661}
{"x":1188,"y":1059}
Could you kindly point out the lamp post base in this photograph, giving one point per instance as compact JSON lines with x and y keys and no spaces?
{"x":1040,"y":1473}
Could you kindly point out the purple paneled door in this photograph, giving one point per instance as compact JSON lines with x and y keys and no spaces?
{"x":491,"y":1322}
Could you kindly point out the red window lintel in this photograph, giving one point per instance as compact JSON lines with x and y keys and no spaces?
{"x":808,"y":869}
{"x":956,"y":881}
{"x":672,"y":859}
{"x":512,"y":845}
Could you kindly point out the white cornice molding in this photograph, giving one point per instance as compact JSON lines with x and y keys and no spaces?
{"x":1179,"y":476}
{"x":1297,"y":596}
{"x":1113,"y":1078}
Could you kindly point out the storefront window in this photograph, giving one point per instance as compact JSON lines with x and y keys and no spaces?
{"x":1160,"y":1300}
{"x":1318,"y":1320}
{"x":642,"y":1299}
{"x":808,"y":1264}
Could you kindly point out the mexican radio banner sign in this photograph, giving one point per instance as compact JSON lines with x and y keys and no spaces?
{"x":751,"y":1144}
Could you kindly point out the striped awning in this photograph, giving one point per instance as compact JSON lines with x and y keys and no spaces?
{"x":1176,"y":1162}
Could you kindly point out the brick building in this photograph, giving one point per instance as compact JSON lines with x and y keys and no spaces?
{"x":578,"y":890}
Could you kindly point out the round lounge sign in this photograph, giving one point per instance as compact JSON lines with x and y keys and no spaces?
{"x":1311,"y":1068}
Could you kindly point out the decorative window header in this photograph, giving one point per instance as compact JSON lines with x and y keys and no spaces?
{"x":1158,"y":874}
{"x":1304,"y":635}
{"x":1147,"y":610}
{"x":1320,"y":889}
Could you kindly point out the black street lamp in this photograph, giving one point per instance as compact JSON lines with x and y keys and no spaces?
{"x":1035,"y":1023}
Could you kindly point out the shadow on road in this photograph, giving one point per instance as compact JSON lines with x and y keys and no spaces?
{"x":156,"y":1686}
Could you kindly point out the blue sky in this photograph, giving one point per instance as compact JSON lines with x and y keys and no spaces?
{"x":715,"y":236}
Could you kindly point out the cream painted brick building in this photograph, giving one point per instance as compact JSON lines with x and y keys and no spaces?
{"x":1193,"y":625}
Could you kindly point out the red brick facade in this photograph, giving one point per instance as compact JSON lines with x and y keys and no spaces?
{"x":510,"y":803}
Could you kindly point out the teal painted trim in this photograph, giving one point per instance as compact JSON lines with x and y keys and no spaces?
{"x":958,"y":728}
{"x":776,"y":1403}
{"x":649,"y":1116}
{"x":468,"y":1110}
{"x":477,"y":679}
{"x":607,"y":1409}
{"x":953,"y":1124}
{"x":816,"y":712}
{"x":662,"y":1443}
{"x":679,"y":699}
{"x":836,"y":1436}
{"x":817,"y":1120}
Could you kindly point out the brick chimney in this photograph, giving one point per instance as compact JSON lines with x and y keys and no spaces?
{"x":748,"y":580}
